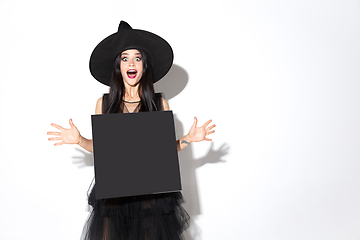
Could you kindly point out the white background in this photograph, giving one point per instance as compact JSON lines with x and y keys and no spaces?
{"x":279,"y":78}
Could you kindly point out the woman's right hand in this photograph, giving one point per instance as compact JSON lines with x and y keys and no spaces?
{"x":66,"y":136}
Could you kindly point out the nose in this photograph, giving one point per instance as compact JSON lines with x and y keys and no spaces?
{"x":131,"y":62}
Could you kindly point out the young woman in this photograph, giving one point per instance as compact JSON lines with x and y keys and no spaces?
{"x":141,"y":58}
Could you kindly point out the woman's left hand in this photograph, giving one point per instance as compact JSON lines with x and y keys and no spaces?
{"x":198,"y":134}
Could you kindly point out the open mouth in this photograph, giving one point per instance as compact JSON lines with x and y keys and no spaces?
{"x":131,"y":73}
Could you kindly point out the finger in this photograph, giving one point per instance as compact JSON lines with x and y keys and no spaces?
{"x":71,"y":123}
{"x":58,"y":144}
{"x":211,"y":127}
{"x":54,"y":133}
{"x":195,"y":123}
{"x":207,"y":123}
{"x":54,"y":139}
{"x":210,"y":132}
{"x":208,"y":139}
{"x":57,"y":126}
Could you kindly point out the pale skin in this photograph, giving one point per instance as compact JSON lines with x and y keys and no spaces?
{"x":130,"y":60}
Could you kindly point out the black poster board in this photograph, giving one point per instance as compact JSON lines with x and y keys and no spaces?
{"x":135,"y":154}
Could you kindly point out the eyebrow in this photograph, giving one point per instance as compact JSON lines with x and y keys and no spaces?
{"x":128,"y":54}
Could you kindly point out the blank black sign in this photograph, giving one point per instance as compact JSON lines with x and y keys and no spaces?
{"x":135,"y":154}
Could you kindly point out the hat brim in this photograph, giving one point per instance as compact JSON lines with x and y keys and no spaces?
{"x":103,"y":57}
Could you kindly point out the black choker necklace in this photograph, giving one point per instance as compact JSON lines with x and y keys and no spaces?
{"x":131,"y":102}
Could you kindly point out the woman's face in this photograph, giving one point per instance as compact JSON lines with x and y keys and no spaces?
{"x":131,"y":66}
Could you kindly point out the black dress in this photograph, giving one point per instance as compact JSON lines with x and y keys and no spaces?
{"x":146,"y":217}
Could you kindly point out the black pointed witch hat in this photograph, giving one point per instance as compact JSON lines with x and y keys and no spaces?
{"x":103,"y":57}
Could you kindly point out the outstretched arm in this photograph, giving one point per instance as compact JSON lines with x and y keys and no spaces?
{"x":196,"y":134}
{"x":72,"y":135}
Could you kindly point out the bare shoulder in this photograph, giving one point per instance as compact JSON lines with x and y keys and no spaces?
{"x":98,"y":108}
{"x":165,"y":105}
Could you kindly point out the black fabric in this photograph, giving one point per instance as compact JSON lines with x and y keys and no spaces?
{"x":105,"y":101}
{"x":158,"y":101}
{"x":146,"y":217}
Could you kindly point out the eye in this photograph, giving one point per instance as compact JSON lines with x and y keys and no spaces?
{"x":138,"y":59}
{"x":125,"y":59}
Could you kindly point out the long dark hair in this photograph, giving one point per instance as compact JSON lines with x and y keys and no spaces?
{"x":117,"y":88}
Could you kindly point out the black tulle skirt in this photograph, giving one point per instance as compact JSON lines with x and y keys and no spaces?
{"x":146,"y":217}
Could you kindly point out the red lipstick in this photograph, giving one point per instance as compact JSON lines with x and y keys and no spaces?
{"x":131,"y":73}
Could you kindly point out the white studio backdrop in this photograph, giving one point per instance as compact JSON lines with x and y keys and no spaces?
{"x":280,"y":79}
